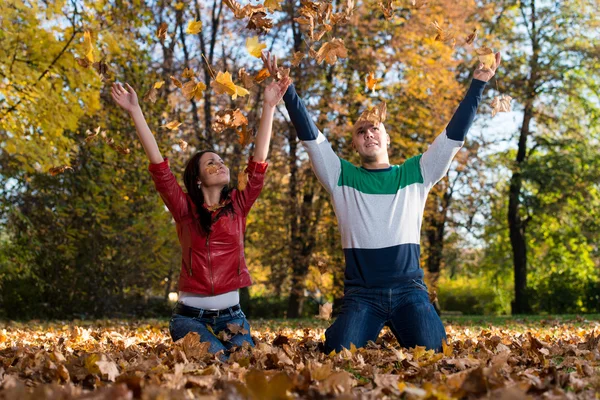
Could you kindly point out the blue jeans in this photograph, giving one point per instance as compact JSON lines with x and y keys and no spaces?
{"x":181,"y":325}
{"x":405,"y":309}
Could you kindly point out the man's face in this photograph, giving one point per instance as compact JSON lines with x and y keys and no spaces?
{"x":370,"y":141}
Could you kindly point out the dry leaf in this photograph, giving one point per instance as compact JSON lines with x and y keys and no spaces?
{"x":486,"y":56}
{"x":259,"y":22}
{"x":179,"y":6}
{"x":501,"y":104}
{"x":223,"y":84}
{"x":188,"y":73}
{"x":119,"y":149}
{"x":418,"y":4}
{"x":173,"y":125}
{"x":375,"y":115}
{"x":193,"y":27}
{"x":371,"y":81}
{"x":273,"y":5}
{"x":176,"y":82}
{"x":471,"y":38}
{"x":182,"y":144}
{"x":193,"y":90}
{"x":245,"y":135}
{"x":262,"y":75}
{"x":93,"y":135}
{"x":83,"y":62}
{"x":298,"y":56}
{"x":151,"y":95}
{"x":161,"y":32}
{"x":238,"y":11}
{"x":443,"y":35}
{"x":254,"y":47}
{"x":330,"y":51}
{"x":59,"y":170}
{"x":159,"y":84}
{"x":237,"y":328}
{"x":245,"y":78}
{"x":228,"y":119}
{"x":102,"y":69}
{"x":325,"y":311}
{"x":242,"y":181}
{"x":387,"y":8}
{"x":282,"y":73}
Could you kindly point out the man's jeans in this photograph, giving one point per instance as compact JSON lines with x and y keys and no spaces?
{"x":181,"y":325}
{"x":405,"y":309}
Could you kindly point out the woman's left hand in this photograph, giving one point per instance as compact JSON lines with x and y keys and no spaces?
{"x":275,"y":91}
{"x":485,"y":74}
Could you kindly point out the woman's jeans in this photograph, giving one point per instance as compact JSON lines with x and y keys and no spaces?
{"x":405,"y":309}
{"x":181,"y":325}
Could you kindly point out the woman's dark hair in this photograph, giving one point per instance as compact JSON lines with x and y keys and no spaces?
{"x":190,"y":179}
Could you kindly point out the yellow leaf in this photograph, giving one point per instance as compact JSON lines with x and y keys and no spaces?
{"x":371,"y":81}
{"x":224,"y":84}
{"x":262,"y":75}
{"x":193,"y":90}
{"x":486,"y":56}
{"x":193,"y":27}
{"x":159,"y":84}
{"x":179,"y":6}
{"x":89,"y":46}
{"x":254,"y":47}
{"x":188,"y":73}
{"x":273,"y":5}
{"x":172,"y":125}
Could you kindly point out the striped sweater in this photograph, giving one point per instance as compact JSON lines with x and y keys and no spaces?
{"x":380,"y":211}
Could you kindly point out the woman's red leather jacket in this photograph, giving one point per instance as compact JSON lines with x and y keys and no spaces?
{"x":210,"y":264}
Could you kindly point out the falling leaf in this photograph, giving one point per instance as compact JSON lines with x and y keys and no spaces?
{"x":89,"y":46}
{"x":444,"y":35}
{"x":193,"y":27}
{"x":237,"y":9}
{"x":242,"y":181}
{"x":83,"y":62}
{"x":325,"y":311}
{"x":228,"y":119}
{"x":176,"y":82}
{"x":151,"y":95}
{"x":298,"y":56}
{"x":245,"y":135}
{"x":254,"y":47}
{"x":182,"y":144}
{"x":59,"y":170}
{"x":161,"y":32}
{"x":102,"y":69}
{"x":471,"y":38}
{"x":259,"y":22}
{"x":371,"y":81}
{"x":188,"y":73}
{"x":486,"y":56}
{"x":91,"y":136}
{"x":223,"y":84}
{"x":501,"y":104}
{"x":179,"y":6}
{"x":193,"y":90}
{"x":245,"y":78}
{"x":312,"y":53}
{"x":173,"y":125}
{"x":119,"y":149}
{"x":262,"y":75}
{"x":273,"y":5}
{"x":330,"y":51}
{"x":319,"y":34}
{"x":375,"y":115}
{"x":158,"y":85}
{"x":282,"y":73}
{"x":387,"y":8}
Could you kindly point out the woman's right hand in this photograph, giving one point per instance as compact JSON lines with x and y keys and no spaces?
{"x":127,"y":99}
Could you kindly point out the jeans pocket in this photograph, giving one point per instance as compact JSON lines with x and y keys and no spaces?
{"x":419,"y":284}
{"x":352,"y":290}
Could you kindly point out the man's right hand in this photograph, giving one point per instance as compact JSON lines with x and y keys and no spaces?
{"x":270,"y":63}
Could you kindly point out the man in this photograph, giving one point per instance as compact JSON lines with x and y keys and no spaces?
{"x":379,"y":208}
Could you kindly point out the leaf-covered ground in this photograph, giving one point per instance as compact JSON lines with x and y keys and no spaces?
{"x":547,"y":358}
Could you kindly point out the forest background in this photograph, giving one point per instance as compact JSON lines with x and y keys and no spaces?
{"x":513,"y":228}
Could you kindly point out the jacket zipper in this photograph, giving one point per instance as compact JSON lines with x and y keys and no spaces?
{"x":212,"y":281}
{"x":190,"y":263}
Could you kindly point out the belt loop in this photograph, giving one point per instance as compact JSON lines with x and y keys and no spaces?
{"x":201,"y":312}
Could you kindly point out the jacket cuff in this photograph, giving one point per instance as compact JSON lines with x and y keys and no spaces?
{"x":256,"y":167}
{"x":160,"y":166}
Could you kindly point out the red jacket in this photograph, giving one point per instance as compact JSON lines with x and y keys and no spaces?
{"x":210,"y":264}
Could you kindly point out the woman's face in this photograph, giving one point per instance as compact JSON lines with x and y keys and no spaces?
{"x":213,"y":171}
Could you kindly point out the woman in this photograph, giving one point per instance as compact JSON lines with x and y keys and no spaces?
{"x":211,"y":221}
